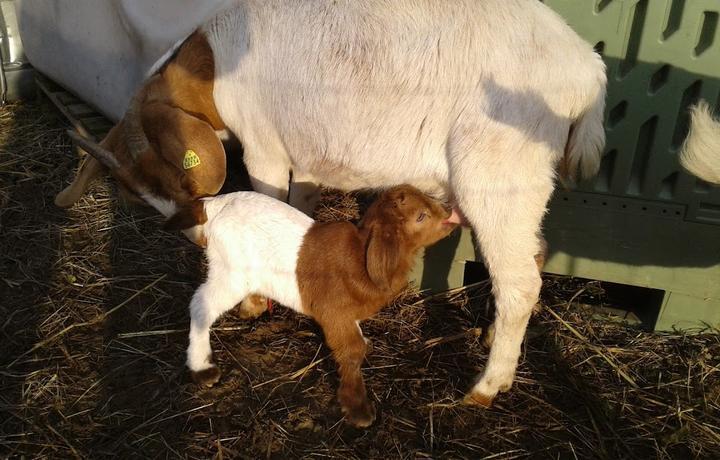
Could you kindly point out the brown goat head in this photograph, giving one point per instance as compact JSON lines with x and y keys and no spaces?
{"x":401,"y":221}
{"x":165,"y":151}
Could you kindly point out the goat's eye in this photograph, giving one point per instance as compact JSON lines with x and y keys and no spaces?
{"x":421,"y":217}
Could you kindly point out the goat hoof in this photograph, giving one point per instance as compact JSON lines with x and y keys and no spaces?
{"x":362,"y":416}
{"x":207,"y":377}
{"x":253,"y":306}
{"x":476,"y":398}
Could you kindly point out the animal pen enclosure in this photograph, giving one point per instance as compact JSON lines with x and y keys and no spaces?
{"x":93,"y":302}
{"x":642,"y":221}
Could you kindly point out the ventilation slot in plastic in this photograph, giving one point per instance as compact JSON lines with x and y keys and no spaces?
{"x":708,"y":30}
{"x":673,"y":17}
{"x":643,"y":150}
{"x":689,"y":97}
{"x":617,"y":114}
{"x":659,"y":78}
{"x":634,"y":37}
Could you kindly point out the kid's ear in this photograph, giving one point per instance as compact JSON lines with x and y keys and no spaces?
{"x":383,"y":255}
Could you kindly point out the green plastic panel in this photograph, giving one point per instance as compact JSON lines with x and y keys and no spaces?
{"x":661,"y":56}
{"x":642,"y":221}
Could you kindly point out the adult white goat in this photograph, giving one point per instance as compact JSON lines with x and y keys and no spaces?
{"x":480,"y":101}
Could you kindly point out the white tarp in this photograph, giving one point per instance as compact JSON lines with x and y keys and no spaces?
{"x":102,"y":49}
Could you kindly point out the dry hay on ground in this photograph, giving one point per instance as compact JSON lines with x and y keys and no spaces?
{"x":93,"y":320}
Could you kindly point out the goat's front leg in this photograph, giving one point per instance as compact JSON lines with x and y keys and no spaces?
{"x":348,"y":346}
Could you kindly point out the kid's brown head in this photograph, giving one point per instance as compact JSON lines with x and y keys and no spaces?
{"x":401,"y":221}
{"x":415,"y":217}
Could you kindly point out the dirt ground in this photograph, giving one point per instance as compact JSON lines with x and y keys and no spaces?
{"x":93,"y":325}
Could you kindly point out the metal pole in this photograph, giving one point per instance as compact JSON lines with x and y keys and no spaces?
{"x":4,"y":41}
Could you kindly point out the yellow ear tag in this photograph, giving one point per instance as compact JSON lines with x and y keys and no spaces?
{"x":190,"y":160}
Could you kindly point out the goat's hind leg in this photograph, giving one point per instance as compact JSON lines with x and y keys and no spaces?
{"x":509,"y":253}
{"x":211,"y":300}
{"x":503,"y":191}
{"x":540,"y":257}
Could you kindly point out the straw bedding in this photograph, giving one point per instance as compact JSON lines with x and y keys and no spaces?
{"x":93,"y":321}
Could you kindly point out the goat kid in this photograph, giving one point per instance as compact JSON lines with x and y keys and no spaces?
{"x":336,"y":273}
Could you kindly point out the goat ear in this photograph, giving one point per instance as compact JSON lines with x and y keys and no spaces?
{"x":191,"y":145}
{"x":383,"y":255}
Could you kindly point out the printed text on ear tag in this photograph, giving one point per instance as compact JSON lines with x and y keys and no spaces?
{"x":190,"y":160}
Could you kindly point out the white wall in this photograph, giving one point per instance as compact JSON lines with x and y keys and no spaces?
{"x":101,"y":49}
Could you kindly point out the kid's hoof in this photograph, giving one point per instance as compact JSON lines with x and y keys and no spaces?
{"x":360,"y":417}
{"x":207,"y":377}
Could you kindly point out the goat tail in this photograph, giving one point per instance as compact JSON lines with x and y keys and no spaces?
{"x":586,"y":140}
{"x":190,"y":219}
{"x":700,"y":153}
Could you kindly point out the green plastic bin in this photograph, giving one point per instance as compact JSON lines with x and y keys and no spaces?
{"x":642,"y":221}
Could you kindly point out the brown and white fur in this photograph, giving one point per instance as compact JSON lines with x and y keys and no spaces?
{"x":337,"y":273}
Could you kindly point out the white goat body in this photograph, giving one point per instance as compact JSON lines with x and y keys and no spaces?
{"x":377,"y":93}
{"x":259,"y":237}
{"x":254,"y":240}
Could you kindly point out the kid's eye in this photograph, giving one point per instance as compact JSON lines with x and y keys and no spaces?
{"x":421,"y":217}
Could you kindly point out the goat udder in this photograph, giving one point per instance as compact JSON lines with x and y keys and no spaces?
{"x":457,"y":217}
